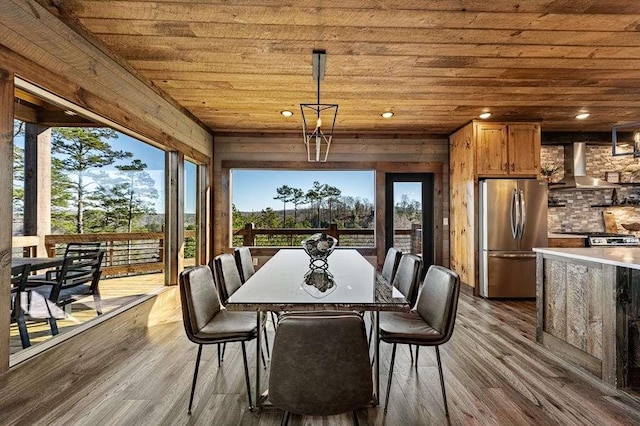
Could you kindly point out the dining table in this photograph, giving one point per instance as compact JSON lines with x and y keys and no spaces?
{"x":279,"y":285}
{"x":37,"y":263}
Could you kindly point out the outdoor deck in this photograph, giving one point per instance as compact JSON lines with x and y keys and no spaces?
{"x":115,"y":292}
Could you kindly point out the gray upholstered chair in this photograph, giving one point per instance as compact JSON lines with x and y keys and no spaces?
{"x":228,"y":278}
{"x":244,"y":262}
{"x":406,"y":280}
{"x":391,"y":262}
{"x":320,"y":364}
{"x":431,"y":323}
{"x":207,"y":322}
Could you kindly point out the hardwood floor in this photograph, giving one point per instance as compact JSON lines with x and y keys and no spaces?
{"x":494,"y":371}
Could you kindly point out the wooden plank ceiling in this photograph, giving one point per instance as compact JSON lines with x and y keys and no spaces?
{"x":436,"y":64}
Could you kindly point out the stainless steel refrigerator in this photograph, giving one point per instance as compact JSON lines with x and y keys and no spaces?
{"x":513,"y":220}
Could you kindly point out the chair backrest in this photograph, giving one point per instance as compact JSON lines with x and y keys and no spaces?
{"x":407,"y":277}
{"x":78,"y":270}
{"x":199,"y":299}
{"x":19,"y":276}
{"x":438,"y":300}
{"x":227,"y":275}
{"x":76,"y":249}
{"x":390,"y":265}
{"x":244,"y":262}
{"x":320,"y":364}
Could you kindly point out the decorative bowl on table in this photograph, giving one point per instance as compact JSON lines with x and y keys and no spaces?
{"x":319,"y":246}
{"x":318,"y":281}
{"x":635,"y":226}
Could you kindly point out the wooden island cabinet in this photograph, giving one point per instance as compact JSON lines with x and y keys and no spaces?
{"x":478,"y":150}
{"x":588,"y":309}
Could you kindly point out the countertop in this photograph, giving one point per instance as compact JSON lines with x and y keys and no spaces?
{"x":626,"y":257}
{"x":566,"y":236}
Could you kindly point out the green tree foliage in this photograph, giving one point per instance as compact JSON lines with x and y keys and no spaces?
{"x":80,"y":151}
{"x":331,"y":193}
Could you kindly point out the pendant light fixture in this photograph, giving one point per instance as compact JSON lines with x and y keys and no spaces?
{"x":317,"y":138}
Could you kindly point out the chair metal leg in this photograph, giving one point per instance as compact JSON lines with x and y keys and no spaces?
{"x":195,"y":377}
{"x":24,"y":334}
{"x":246,"y":374}
{"x":417,"y":354}
{"x":274,"y":320}
{"x":355,"y":418}
{"x":444,"y":392}
{"x":224,"y":349}
{"x":97,"y":300}
{"x":266,"y":340}
{"x":411,"y":353}
{"x":219,"y":355}
{"x":264,"y":363}
{"x":393,"y":360}
{"x":285,"y":418}
{"x":54,"y":326}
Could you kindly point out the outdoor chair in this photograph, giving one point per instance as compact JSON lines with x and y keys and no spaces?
{"x":206,"y":321}
{"x":320,"y":364}
{"x":78,"y":277}
{"x":18,"y":289}
{"x":430,"y":324}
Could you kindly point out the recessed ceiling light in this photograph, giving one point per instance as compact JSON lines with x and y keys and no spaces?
{"x":485,"y":115}
{"x":286,"y":113}
{"x":387,"y":114}
{"x":69,"y":112}
{"x":582,"y":116}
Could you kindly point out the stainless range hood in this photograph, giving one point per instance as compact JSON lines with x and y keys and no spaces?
{"x":575,"y":168}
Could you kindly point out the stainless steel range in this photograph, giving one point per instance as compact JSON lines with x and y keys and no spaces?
{"x":597,"y":239}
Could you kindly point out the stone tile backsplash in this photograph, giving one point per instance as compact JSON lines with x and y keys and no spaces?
{"x":578,"y":215}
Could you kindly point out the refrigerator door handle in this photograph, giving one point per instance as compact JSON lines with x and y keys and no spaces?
{"x":515,"y":214}
{"x":527,"y":255}
{"x":523,"y":214}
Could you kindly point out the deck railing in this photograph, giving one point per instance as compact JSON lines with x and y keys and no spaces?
{"x":407,"y":240}
{"x":125,"y":253}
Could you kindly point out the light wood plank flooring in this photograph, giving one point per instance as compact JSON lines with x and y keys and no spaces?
{"x":495,"y":374}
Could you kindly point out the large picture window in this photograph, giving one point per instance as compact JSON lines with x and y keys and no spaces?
{"x":283,"y":207}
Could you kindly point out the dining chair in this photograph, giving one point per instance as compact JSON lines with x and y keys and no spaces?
{"x":78,"y":277}
{"x":228,"y":278}
{"x":430,"y":323}
{"x":320,"y":364}
{"x":18,"y":288}
{"x":206,"y":321}
{"x":244,"y":262}
{"x":406,"y":280}
{"x":390,"y":265}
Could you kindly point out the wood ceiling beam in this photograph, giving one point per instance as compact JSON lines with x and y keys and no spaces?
{"x":42,"y":38}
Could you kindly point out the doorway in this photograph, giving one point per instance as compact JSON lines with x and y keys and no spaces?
{"x":409,"y":214}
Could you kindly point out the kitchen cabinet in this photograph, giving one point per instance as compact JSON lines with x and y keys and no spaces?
{"x":483,"y":149}
{"x":507,"y":149}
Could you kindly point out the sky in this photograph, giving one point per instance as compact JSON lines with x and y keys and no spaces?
{"x":154,"y":159}
{"x":253,"y":190}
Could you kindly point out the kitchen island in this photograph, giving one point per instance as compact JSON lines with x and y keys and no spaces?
{"x":588,"y":309}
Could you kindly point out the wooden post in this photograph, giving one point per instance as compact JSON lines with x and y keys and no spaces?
{"x":203,"y":211}
{"x":248,"y":235}
{"x":174,"y":217}
{"x":416,"y":238}
{"x":333,"y":231}
{"x":6,"y":210}
{"x":37,"y":184}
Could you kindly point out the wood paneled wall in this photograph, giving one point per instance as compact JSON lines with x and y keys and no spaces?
{"x":463,"y":205}
{"x":403,"y":154}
